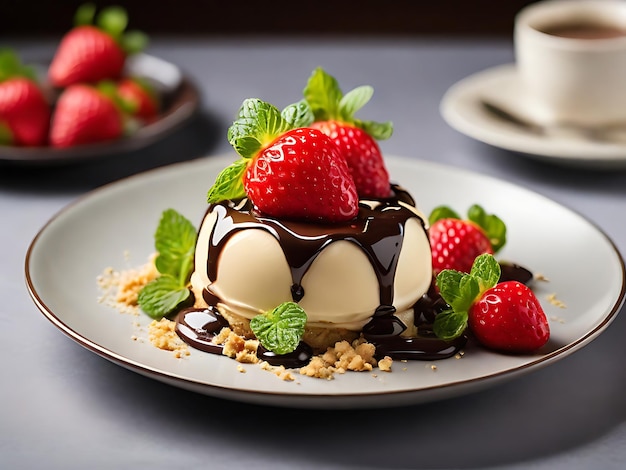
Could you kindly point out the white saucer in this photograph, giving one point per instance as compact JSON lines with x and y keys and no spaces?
{"x":462,"y":109}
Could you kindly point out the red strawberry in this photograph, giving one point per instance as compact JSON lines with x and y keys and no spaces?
{"x":508,"y":317}
{"x":24,"y":110}
{"x":85,"y":114}
{"x":140,"y":97}
{"x":503,"y":316}
{"x":286,"y":170}
{"x":91,"y":53}
{"x":456,"y":243}
{"x":302,"y":175}
{"x":334,"y":115}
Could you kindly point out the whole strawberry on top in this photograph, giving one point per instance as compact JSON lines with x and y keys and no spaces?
{"x":356,"y":139}
{"x":87,"y":114}
{"x":287,"y":170}
{"x":455,"y":242}
{"x":93,"y":52}
{"x":24,"y":109}
{"x":504,"y":316}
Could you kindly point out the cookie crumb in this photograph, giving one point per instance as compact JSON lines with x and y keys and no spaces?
{"x":120,"y":289}
{"x":162,"y":334}
{"x":556,"y":302}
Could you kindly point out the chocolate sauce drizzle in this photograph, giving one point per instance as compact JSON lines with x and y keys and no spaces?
{"x":378,"y":231}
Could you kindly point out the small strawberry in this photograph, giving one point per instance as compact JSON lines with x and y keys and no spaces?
{"x":142,"y":100}
{"x":503,"y":316}
{"x":334,"y":115}
{"x":91,"y":53}
{"x":86,"y":114}
{"x":24,"y":110}
{"x":287,"y":170}
{"x":455,"y":243}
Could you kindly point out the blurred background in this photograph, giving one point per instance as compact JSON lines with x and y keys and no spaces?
{"x":277,"y":17}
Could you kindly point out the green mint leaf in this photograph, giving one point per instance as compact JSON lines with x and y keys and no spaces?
{"x":450,"y":324}
{"x":298,"y":114}
{"x":442,"y":212}
{"x":448,"y":282}
{"x":162,"y":296}
{"x":486,"y":271}
{"x":229,"y":183}
{"x":323,"y":94}
{"x":469,"y":290}
{"x":492,"y":225}
{"x":257,"y":124}
{"x":175,"y":241}
{"x":354,"y":100}
{"x":458,"y":289}
{"x":281,"y":329}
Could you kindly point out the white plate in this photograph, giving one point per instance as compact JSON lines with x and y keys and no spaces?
{"x":114,"y":226}
{"x":461,"y":108}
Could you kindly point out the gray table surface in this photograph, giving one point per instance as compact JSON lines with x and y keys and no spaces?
{"x":63,"y":407}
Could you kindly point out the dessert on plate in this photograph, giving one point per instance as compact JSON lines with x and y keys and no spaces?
{"x":306,"y":245}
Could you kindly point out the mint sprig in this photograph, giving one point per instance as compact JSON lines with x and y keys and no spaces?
{"x":257,"y":125}
{"x":491,"y":224}
{"x":327,"y":101}
{"x":460,"y":291}
{"x":175,"y":241}
{"x":280,"y":330}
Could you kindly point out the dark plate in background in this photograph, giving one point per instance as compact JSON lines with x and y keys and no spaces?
{"x":181,"y":101}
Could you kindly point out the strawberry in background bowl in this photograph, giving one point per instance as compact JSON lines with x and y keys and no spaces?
{"x":100,"y":95}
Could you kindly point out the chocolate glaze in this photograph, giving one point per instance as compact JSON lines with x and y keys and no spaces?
{"x":298,"y":358}
{"x":377,"y":231}
{"x":198,"y":326}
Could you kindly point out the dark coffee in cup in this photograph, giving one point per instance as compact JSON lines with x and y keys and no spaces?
{"x":585,"y":30}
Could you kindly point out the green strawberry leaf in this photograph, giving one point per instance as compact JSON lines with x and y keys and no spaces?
{"x":450,"y":324}
{"x":378,"y":130}
{"x":298,"y":115}
{"x":229,"y":183}
{"x":323,"y":94}
{"x":11,"y":66}
{"x":460,"y":291}
{"x":493,"y":226}
{"x":280,"y":330}
{"x":328,"y":102}
{"x":6,"y":136}
{"x":85,"y":14}
{"x":134,"y":41}
{"x":162,"y":296}
{"x":354,"y":100}
{"x":175,"y":241}
{"x":113,"y":20}
{"x":442,"y":212}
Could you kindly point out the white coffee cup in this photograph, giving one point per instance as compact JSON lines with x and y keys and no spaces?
{"x":571,"y":59}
